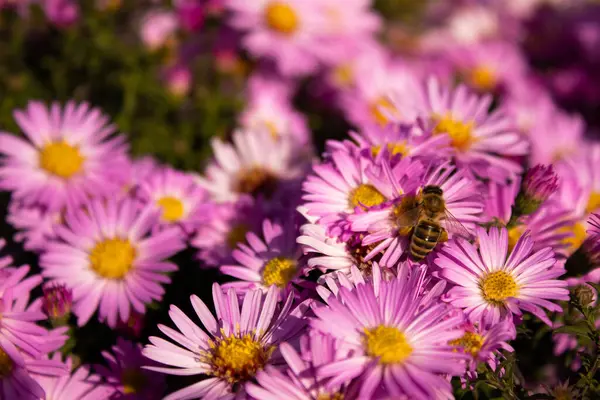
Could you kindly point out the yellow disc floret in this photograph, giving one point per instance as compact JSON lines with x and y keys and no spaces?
{"x":497,"y":286}
{"x":593,"y":202}
{"x":483,"y":78}
{"x":279,"y":271}
{"x":112,"y":258}
{"x":461,"y":133}
{"x":381,"y":108}
{"x":281,"y":17}
{"x":61,"y":159}
{"x":6,"y":364}
{"x":172,"y":208}
{"x":577,"y":237}
{"x":133,"y":380}
{"x":365,"y":195}
{"x":256,"y":181}
{"x":387,"y":344}
{"x":237,"y":359}
{"x":470,"y":342}
{"x":237,"y":234}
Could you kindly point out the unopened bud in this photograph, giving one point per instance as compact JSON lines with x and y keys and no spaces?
{"x":56,"y":303}
{"x":584,"y":294}
{"x":538,"y":184}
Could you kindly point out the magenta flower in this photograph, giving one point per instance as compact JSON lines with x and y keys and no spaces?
{"x":69,"y":156}
{"x":125,"y":376}
{"x":35,"y":224}
{"x":239,"y":343}
{"x":107,"y":255}
{"x":269,"y":260}
{"x":491,"y":285}
{"x":398,"y":338}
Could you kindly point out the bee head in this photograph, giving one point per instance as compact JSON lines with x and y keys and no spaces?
{"x":433,"y":190}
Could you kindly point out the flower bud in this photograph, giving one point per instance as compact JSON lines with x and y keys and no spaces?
{"x":538,"y":184}
{"x":584,"y":294}
{"x":56,"y":303}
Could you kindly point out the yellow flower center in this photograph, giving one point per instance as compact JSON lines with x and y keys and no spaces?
{"x":365,"y":195}
{"x":272,"y":128}
{"x":514,"y":234}
{"x":61,"y":159}
{"x":343,"y":75}
{"x":483,"y":78}
{"x":172,"y":208}
{"x":112,"y":258}
{"x":236,"y":235}
{"x":281,"y":17}
{"x":497,"y":286}
{"x":381,"y":108}
{"x":133,"y":380}
{"x":256,"y":180}
{"x":394,"y":148}
{"x":470,"y":342}
{"x":237,"y":359}
{"x":593,"y":202}
{"x":388,"y":344}
{"x":6,"y":364}
{"x":330,"y":396}
{"x":279,"y":271}
{"x":461,"y":133}
{"x":578,"y":236}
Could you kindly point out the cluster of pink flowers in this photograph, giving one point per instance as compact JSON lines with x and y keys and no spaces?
{"x":404,"y":257}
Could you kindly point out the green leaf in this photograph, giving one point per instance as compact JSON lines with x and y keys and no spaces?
{"x":579,"y":329}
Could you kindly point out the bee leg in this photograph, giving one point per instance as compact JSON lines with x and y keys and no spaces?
{"x":443,"y":236}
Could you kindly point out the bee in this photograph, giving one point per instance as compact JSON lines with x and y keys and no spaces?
{"x":427,"y":221}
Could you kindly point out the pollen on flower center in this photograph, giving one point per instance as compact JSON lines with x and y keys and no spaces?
{"x":483,"y":78}
{"x":330,"y":396}
{"x":497,"y":286}
{"x":579,"y":235}
{"x":172,"y":208}
{"x":461,"y":133}
{"x":343,"y":75}
{"x":112,"y":258}
{"x":394,"y":148}
{"x":388,"y":344}
{"x":279,"y":271}
{"x":470,"y":342}
{"x":61,"y":159}
{"x":6,"y":364}
{"x":365,"y":195}
{"x":256,"y":181}
{"x":281,"y":17}
{"x":514,"y":234}
{"x":380,"y":109}
{"x":237,"y":234}
{"x":133,"y":380}
{"x":237,"y":359}
{"x":593,"y":202}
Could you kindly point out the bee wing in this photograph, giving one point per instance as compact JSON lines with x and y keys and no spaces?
{"x":454,"y":227}
{"x":408,"y":218}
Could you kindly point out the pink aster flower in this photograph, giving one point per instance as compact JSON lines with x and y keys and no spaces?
{"x":35,"y":224}
{"x":300,"y":381}
{"x":239,"y":343}
{"x":177,"y":196}
{"x":399,"y":341}
{"x":485,"y":142}
{"x":284,"y":31}
{"x":325,"y":252}
{"x":125,"y":376}
{"x":255,"y":164}
{"x":68,"y":155}
{"x":269,"y":260}
{"x":224,"y":226}
{"x":491,"y":285}
{"x":269,"y":107}
{"x":158,"y":28}
{"x":78,"y":384}
{"x":460,"y":194}
{"x":20,"y":372}
{"x":108,"y":256}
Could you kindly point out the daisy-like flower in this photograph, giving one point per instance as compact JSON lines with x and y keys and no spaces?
{"x":177,"y":196}
{"x":255,"y":164}
{"x":269,"y":107}
{"x":216,"y":237}
{"x":325,"y":253}
{"x":381,"y":225}
{"x":17,"y":379}
{"x":239,"y":342}
{"x":68,"y":156}
{"x":269,"y":260}
{"x":285,"y":31}
{"x":491,"y":286}
{"x":482,"y":345}
{"x":35,"y":224}
{"x":493,"y":67}
{"x":399,"y":341}
{"x":300,"y":381}
{"x":485,"y":142}
{"x":125,"y":376}
{"x":108,"y":256}
{"x":78,"y":384}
